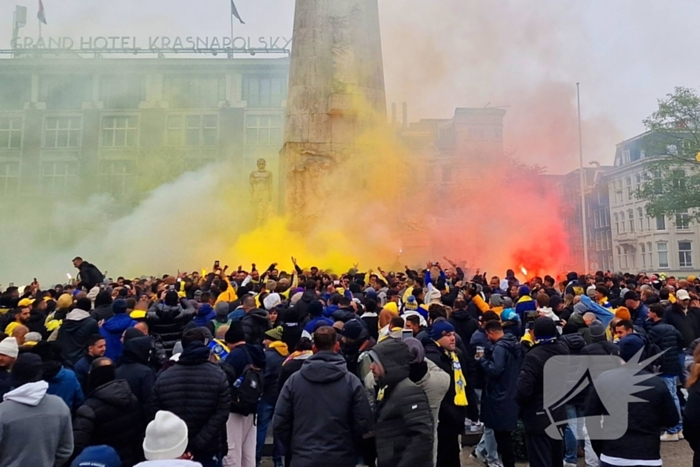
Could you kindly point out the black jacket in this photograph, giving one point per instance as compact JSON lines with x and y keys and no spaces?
{"x":135,"y":370}
{"x":530,"y":392}
{"x":465,"y":325}
{"x":255,"y":323}
{"x":168,"y":322}
{"x":501,"y":366}
{"x":320,"y":410}
{"x":645,"y":420}
{"x":36,"y":323}
{"x":404,"y":422}
{"x":687,"y":324}
{"x":90,"y":276}
{"x":691,"y":415}
{"x":603,"y":347}
{"x":273,"y":368}
{"x":450,"y":415}
{"x":302,"y":306}
{"x":102,"y":312}
{"x":111,"y":416}
{"x":574,"y":342}
{"x":73,"y":336}
{"x":197,"y":391}
{"x":351,"y":352}
{"x":669,"y":339}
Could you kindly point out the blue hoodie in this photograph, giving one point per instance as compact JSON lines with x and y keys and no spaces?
{"x":314,"y":323}
{"x":205,"y":314}
{"x":112,"y":331}
{"x":66,"y":386}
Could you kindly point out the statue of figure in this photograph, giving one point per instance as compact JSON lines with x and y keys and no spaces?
{"x":261,"y":192}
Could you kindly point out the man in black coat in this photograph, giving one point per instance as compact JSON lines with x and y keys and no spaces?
{"x":404,"y":423}
{"x":441,"y":348}
{"x":75,"y":332}
{"x":167,"y":319}
{"x":464,"y":323}
{"x":322,"y":408}
{"x":683,"y":317}
{"x":501,"y":365}
{"x":90,"y":276}
{"x":196,"y":390}
{"x":134,"y":368}
{"x":543,"y":451}
{"x":600,"y":345}
{"x":670,"y":341}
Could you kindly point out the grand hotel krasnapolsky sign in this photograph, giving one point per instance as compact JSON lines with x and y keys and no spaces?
{"x":152,"y":43}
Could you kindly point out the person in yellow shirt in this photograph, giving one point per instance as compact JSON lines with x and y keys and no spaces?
{"x":21,"y":318}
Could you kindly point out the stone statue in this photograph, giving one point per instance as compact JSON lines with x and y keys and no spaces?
{"x":261,"y":193}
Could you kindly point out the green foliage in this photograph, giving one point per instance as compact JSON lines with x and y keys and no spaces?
{"x":673,"y":179}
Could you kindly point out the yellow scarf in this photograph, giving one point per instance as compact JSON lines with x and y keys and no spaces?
{"x":280,"y":347}
{"x":460,"y":381}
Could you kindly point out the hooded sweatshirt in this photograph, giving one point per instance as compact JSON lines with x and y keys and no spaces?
{"x":112,"y":331}
{"x":28,"y":413}
{"x":204,"y":314}
{"x":74,"y":334}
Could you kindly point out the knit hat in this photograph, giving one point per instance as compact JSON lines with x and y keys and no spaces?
{"x":119,"y":306}
{"x":65,"y":301}
{"x":629,"y":346}
{"x":508,"y":302}
{"x":545,"y":328}
{"x":315,"y":308}
{"x":271,"y":301}
{"x":523,"y":290}
{"x":352,"y":329}
{"x":221,"y":309}
{"x":166,"y":437}
{"x":235,"y":333}
{"x":623,"y":313}
{"x":83,"y":304}
{"x":590,"y":291}
{"x":131,"y":333}
{"x":172,"y":298}
{"x":275,"y":333}
{"x":496,"y":300}
{"x":416,"y":348}
{"x":197,"y":294}
{"x":572,"y":276}
{"x":8,"y":346}
{"x":439,"y":328}
{"x":97,"y":456}
{"x":597,"y":331}
{"x":411,"y":303}
{"x":32,"y":337}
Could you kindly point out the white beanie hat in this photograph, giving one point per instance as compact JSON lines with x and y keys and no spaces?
{"x":166,"y":437}
{"x":271,"y":301}
{"x":8,"y":346}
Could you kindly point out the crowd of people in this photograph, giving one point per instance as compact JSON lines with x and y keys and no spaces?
{"x":367,"y":367}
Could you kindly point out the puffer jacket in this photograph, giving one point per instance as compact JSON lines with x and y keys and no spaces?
{"x":111,"y":416}
{"x":112,"y":330}
{"x":574,"y":342}
{"x":169,"y":322}
{"x":404,"y":423}
{"x":255,"y":323}
{"x":197,"y":391}
{"x":465,"y":325}
{"x":501,"y":365}
{"x":134,"y":369}
{"x":669,"y":339}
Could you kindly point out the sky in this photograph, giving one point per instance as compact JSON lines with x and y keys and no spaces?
{"x":523,"y":55}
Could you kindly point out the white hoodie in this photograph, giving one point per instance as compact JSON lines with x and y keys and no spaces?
{"x":28,"y":394}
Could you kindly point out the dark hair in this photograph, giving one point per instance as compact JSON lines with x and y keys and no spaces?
{"x":84,"y":304}
{"x":344,"y":301}
{"x":490,"y":316}
{"x":396,"y":322}
{"x":94,"y":339}
{"x":205,"y":297}
{"x":370,"y":305}
{"x":493,"y":326}
{"x":325,"y":338}
{"x":601,"y":289}
{"x":193,"y":335}
{"x":460,"y":304}
{"x":658,"y":309}
{"x":336,"y":299}
{"x":542,"y":300}
{"x":436,"y":311}
{"x":77,"y":258}
{"x":391,"y":293}
{"x":101,"y":361}
{"x":130,"y":303}
{"x":664,"y":294}
{"x":304,"y":344}
{"x":310,"y":285}
{"x":626,"y":323}
{"x":413,"y":319}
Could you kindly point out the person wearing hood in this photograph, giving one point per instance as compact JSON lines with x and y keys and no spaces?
{"x":255,"y":324}
{"x":309,"y":296}
{"x":404,"y":423}
{"x":323,"y":386}
{"x":434,"y":382}
{"x":9,"y":350}
{"x":134,"y":369}
{"x":30,"y":414}
{"x":74,"y":333}
{"x":291,"y":327}
{"x":221,"y":311}
{"x":103,"y":306}
{"x":510,"y":319}
{"x":168,"y":318}
{"x":197,"y":390}
{"x":97,"y":346}
{"x":62,"y":381}
{"x":464,"y":323}
{"x":276,"y":352}
{"x":354,"y":339}
{"x":525,"y":307}
{"x":113,"y":329}
{"x":501,"y":367}
{"x":315,"y":312}
{"x":111,"y":415}
{"x":371,"y":318}
{"x":574,"y":285}
{"x":165,"y":443}
{"x":302,"y":352}
{"x":204,"y":314}
{"x":600,"y":344}
{"x":543,"y":451}
{"x":240,"y":426}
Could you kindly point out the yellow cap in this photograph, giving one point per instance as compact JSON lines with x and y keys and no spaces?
{"x":25,"y":302}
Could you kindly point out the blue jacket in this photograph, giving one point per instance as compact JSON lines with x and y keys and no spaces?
{"x":66,"y":386}
{"x":205,"y":314}
{"x":311,"y":325}
{"x":236,"y":315}
{"x":112,"y":331}
{"x":82,"y":368}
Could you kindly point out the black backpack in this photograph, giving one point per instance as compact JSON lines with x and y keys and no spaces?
{"x":246,"y":390}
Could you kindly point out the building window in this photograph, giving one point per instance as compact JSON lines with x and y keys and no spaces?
{"x":122,"y":91}
{"x":59,"y":178}
{"x":10,"y":132}
{"x":598,"y":241}
{"x":116,"y":177}
{"x":9,"y":178}
{"x":264,"y":91}
{"x":642,"y":249}
{"x":65,"y":91}
{"x":662,"y":250}
{"x":619,"y":256}
{"x":624,"y":258}
{"x":14,"y":91}
{"x":628,"y":184}
{"x":638,"y":180}
{"x":190,"y":92}
{"x":608,"y":240}
{"x":682,"y":221}
{"x":660,"y":223}
{"x":607,"y":217}
{"x":62,"y":132}
{"x":263,"y":130}
{"x":596,"y":220}
{"x":618,"y":196}
{"x":685,"y":254}
{"x":120,"y":132}
{"x":617,"y":223}
{"x":626,"y":156}
{"x":192,"y":130}
{"x":640,"y":214}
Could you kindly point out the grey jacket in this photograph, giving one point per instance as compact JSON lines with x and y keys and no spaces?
{"x":435,"y":384}
{"x":29,"y":415}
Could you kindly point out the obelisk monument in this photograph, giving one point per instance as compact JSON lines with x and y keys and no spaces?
{"x":336,"y":92}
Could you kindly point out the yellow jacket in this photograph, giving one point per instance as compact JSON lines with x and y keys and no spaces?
{"x":228,"y":295}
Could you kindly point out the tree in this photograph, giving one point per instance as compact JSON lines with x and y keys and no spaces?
{"x":673,"y":174}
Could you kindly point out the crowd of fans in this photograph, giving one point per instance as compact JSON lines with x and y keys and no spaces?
{"x":359,"y":368}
